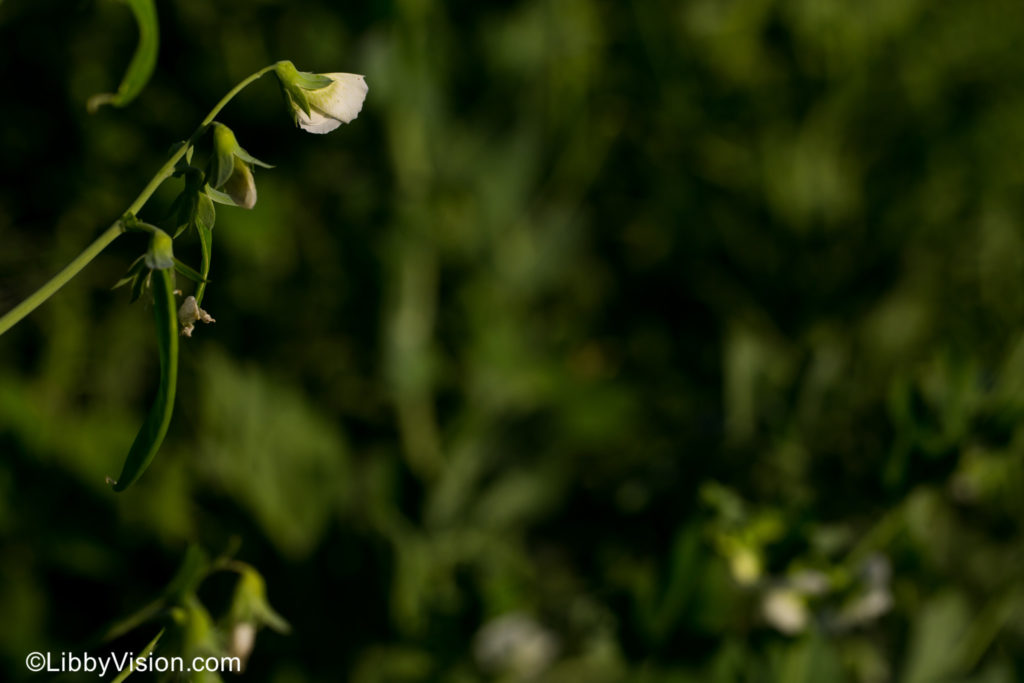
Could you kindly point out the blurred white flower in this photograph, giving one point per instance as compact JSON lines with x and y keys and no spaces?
{"x":242,"y":640}
{"x":785,"y":610}
{"x":810,"y":582}
{"x":515,"y":644}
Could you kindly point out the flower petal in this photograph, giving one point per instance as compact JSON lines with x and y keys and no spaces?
{"x":342,"y":99}
{"x":241,"y":186}
{"x":315,"y":122}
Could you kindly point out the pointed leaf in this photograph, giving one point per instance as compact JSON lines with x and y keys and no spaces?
{"x":206,"y":215}
{"x":220,"y":197}
{"x":146,"y":651}
{"x":178,"y":214}
{"x":245,"y":156}
{"x":194,"y":568}
{"x":133,"y":272}
{"x":188,"y":272}
{"x":140,"y":283}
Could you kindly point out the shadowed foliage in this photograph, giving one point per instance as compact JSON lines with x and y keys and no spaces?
{"x":649,"y":342}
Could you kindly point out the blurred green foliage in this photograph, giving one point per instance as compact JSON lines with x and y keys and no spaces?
{"x":656,"y":341}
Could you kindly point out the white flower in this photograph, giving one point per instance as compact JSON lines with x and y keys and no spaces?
{"x":322,"y":102}
{"x":338,"y":103}
{"x":240,"y":185}
{"x":516,"y":644}
{"x":243,"y":637}
{"x":786,"y":610}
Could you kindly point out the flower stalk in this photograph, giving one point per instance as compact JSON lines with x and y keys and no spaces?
{"x":41,"y":295}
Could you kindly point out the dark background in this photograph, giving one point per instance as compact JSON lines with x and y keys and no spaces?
{"x":686,"y":333}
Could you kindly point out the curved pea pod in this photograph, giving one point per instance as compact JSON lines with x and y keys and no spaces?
{"x":153,"y":430}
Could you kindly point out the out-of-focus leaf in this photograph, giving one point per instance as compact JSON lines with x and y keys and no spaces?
{"x":264,"y":444}
{"x":935,"y":647}
{"x":810,"y":660}
{"x":144,"y":652}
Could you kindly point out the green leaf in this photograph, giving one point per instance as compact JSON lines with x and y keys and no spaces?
{"x":206,"y":215}
{"x":936,"y":642}
{"x":188,"y":272}
{"x":245,"y":156}
{"x":297,"y":96}
{"x":222,"y":161}
{"x":137,"y":287}
{"x":220,"y":197}
{"x":154,"y":429}
{"x":194,"y":568}
{"x":143,"y":61}
{"x":133,"y":273}
{"x":146,"y":651}
{"x":179,"y":213}
{"x":191,"y":207}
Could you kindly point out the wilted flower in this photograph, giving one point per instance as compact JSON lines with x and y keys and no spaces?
{"x":321,"y":102}
{"x":230,"y":170}
{"x":189,"y":314}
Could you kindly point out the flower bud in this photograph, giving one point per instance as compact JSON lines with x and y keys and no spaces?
{"x":241,"y":186}
{"x":249,"y":612}
{"x":321,"y":102}
{"x":160,"y":255}
{"x":230,"y":170}
{"x":250,"y":604}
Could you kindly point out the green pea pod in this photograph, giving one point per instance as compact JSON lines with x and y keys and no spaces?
{"x":153,"y":430}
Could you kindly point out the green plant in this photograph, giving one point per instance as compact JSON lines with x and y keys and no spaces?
{"x":213,"y":168}
{"x":318,"y":103}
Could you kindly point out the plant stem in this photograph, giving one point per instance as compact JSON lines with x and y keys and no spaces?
{"x":10,"y":318}
{"x":13,"y":316}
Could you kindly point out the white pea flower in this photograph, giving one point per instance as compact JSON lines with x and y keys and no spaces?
{"x":785,"y":610}
{"x":242,"y":640}
{"x":240,"y":185}
{"x":321,"y":102}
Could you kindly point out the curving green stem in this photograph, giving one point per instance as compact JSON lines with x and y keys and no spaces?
{"x":14,"y":315}
{"x":205,"y":236}
{"x":36,"y":299}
